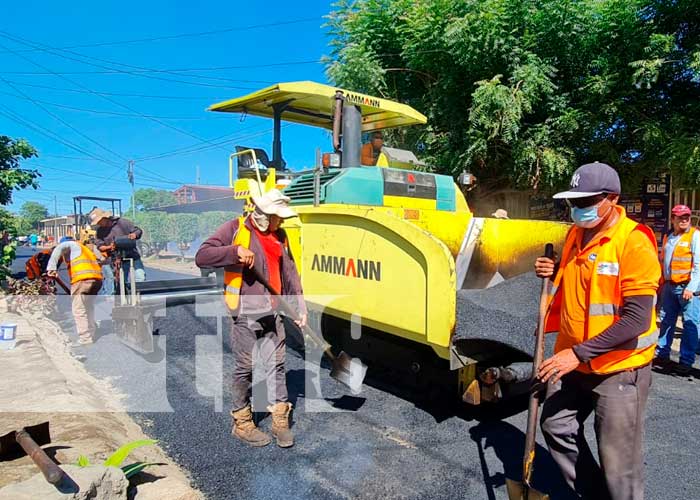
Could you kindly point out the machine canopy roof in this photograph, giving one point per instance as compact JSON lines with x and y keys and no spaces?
{"x":312,"y":103}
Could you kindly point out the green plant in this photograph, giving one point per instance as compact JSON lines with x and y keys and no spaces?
{"x":117,"y":458}
{"x":9,"y":252}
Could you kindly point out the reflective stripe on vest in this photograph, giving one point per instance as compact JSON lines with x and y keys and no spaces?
{"x":605,"y":300}
{"x":682,"y":258}
{"x":234,"y":279}
{"x":85,"y":266}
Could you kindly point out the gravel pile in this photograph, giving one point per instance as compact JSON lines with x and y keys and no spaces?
{"x":505,"y":313}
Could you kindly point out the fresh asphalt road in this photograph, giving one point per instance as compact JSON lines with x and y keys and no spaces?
{"x":375,"y":445}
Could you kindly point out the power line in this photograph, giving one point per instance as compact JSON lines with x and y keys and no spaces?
{"x":142,"y":73}
{"x":104,"y":112}
{"x":8,"y":113}
{"x":64,"y":122}
{"x":116,"y":94}
{"x":188,"y":35}
{"x":109,"y":99}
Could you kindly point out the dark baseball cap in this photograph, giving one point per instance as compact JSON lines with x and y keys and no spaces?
{"x":592,"y":179}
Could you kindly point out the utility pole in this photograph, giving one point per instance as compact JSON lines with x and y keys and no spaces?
{"x":197,"y":179}
{"x":55,"y":206}
{"x":130,"y":174}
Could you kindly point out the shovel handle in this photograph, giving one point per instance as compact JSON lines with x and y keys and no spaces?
{"x":533,"y":403}
{"x":52,"y":472}
{"x":62,"y":284}
{"x":284,"y":305}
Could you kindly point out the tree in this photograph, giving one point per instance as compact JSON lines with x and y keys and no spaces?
{"x":12,"y":177}
{"x":521,"y":92}
{"x":208,"y":222}
{"x":155,"y":229}
{"x":182,"y":229}
{"x":8,"y":222}
{"x":32,"y":212}
{"x":148,"y":198}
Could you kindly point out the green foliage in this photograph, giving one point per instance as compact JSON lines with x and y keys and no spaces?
{"x":32,"y":212}
{"x":155,"y":228}
{"x":8,"y":222}
{"x":149,"y":198}
{"x":133,"y":469}
{"x":12,"y":177}
{"x":7,"y":255}
{"x":117,"y":458}
{"x":83,"y":461}
{"x":210,"y":222}
{"x":521,"y":92}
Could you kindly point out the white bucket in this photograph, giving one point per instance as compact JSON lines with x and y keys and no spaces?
{"x":8,"y":336}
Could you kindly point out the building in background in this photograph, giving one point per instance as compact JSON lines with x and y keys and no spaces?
{"x":57,"y":227}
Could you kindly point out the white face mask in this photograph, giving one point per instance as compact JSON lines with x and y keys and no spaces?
{"x":261,"y":220}
{"x":588,"y":217}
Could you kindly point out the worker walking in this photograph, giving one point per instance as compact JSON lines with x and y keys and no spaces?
{"x":680,"y":261}
{"x":86,"y":280}
{"x":238,"y":246}
{"x":602,"y":306}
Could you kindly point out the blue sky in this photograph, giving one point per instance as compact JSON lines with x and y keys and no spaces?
{"x":72,"y":87}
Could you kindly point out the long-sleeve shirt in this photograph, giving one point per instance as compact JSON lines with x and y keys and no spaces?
{"x":70,"y":248}
{"x":120,"y":228}
{"x":671,"y":242}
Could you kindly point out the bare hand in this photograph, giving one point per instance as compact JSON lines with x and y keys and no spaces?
{"x":558,"y":365}
{"x":52,"y":274}
{"x":687,"y":294}
{"x":301,"y":322}
{"x":544,"y":267}
{"x":132,"y":236}
{"x":246,"y":257}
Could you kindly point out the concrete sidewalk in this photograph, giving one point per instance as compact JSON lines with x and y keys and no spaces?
{"x":41,"y":381}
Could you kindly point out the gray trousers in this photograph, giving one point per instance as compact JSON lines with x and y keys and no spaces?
{"x":259,"y":340}
{"x":619,"y":401}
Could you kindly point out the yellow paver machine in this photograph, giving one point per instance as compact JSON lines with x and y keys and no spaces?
{"x":392,"y":259}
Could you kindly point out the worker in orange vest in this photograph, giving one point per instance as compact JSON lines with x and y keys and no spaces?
{"x":36,"y":264}
{"x":680,"y":262}
{"x":86,"y":279}
{"x":602,"y":304}
{"x":371,"y":150}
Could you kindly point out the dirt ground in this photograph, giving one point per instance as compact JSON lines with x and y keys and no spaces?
{"x":172,"y":263}
{"x":43,"y":382}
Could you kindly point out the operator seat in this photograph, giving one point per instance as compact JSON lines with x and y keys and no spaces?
{"x":246,"y":169}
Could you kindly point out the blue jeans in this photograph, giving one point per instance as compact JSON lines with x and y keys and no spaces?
{"x":107,"y":280}
{"x":139,"y":271}
{"x":672,"y":304}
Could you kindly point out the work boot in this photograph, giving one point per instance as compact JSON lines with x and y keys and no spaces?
{"x":683,"y":370}
{"x":280,"y":424}
{"x":245,"y":429}
{"x":662,"y":365}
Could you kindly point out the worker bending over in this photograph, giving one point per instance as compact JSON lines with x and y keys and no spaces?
{"x":602,"y":306}
{"x":86,"y":279}
{"x":680,"y":262}
{"x":238,"y":246}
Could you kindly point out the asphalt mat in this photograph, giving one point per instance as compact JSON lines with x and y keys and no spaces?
{"x":373,"y":445}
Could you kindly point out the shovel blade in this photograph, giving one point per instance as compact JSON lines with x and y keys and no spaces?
{"x":349,"y":371}
{"x":520,"y":491}
{"x":40,"y":433}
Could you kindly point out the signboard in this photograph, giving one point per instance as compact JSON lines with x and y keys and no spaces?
{"x":651,"y":205}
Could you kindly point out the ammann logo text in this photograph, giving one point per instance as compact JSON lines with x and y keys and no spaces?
{"x":355,"y":268}
{"x":362,"y":100}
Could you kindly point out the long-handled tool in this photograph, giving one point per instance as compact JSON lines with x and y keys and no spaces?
{"x":346,"y":370}
{"x":62,"y":284}
{"x":523,"y":490}
{"x":28,"y":440}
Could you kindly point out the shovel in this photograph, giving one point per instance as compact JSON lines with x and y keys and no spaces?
{"x":346,"y":370}
{"x":28,"y":440}
{"x":523,"y":490}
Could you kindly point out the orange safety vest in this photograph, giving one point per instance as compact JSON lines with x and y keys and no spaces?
{"x":233,"y":279}
{"x":34,"y":267}
{"x":85,"y":266}
{"x":682,"y":259}
{"x":604,"y":299}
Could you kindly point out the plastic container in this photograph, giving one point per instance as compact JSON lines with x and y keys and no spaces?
{"x":8,"y":336}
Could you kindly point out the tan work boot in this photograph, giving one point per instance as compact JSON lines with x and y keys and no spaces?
{"x":245,"y":429}
{"x":280,"y":424}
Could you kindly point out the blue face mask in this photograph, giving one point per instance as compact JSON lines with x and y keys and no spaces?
{"x":586,"y":217}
